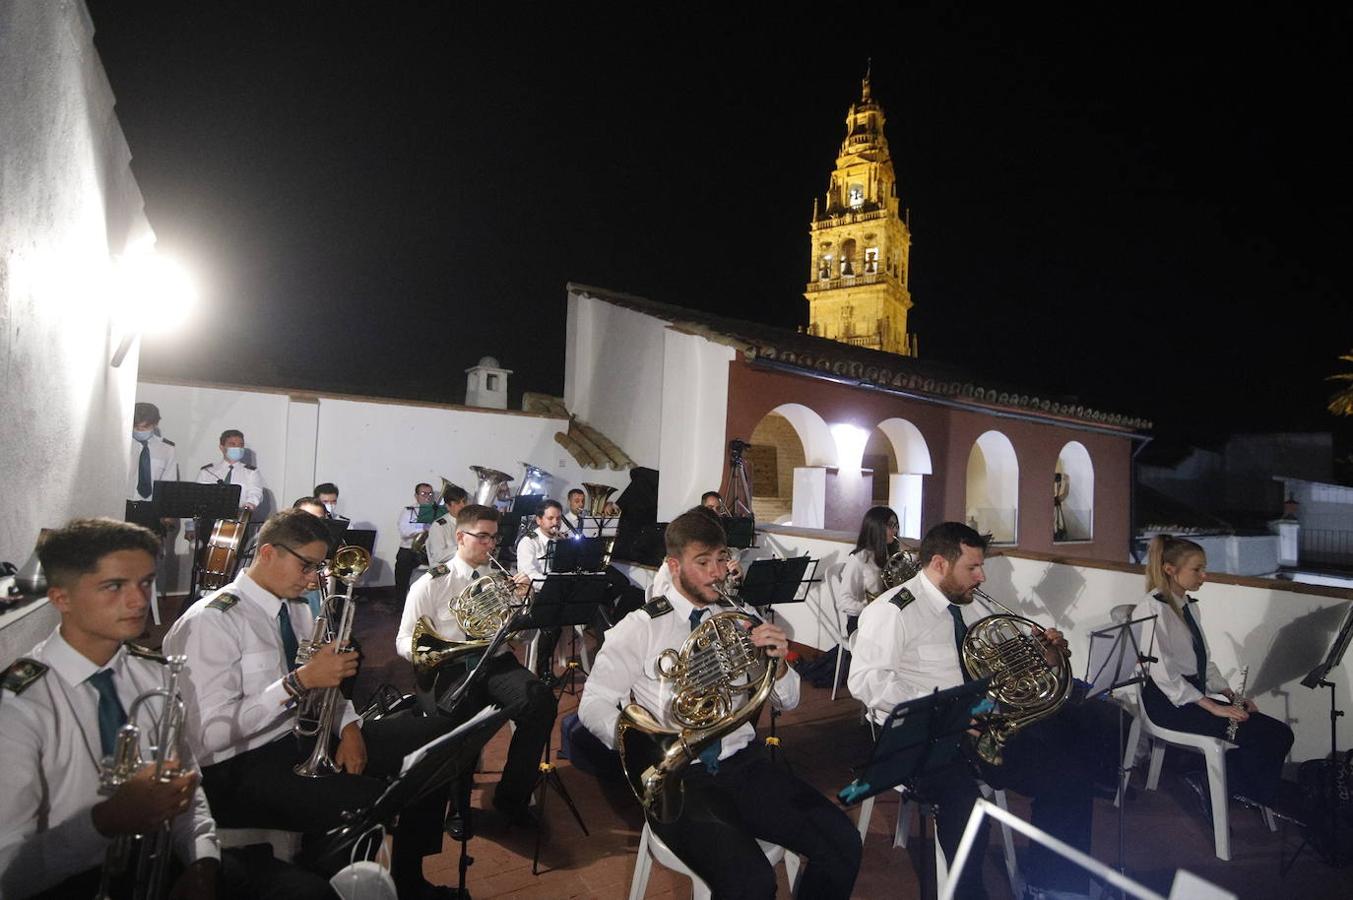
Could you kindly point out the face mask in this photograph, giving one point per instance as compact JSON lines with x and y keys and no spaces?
{"x":234,"y":454}
{"x":142,"y":436}
{"x":331,"y":507}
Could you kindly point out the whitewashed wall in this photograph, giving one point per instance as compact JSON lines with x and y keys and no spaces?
{"x":375,"y":451}
{"x":68,"y":203}
{"x":694,"y":423}
{"x":1279,"y":630}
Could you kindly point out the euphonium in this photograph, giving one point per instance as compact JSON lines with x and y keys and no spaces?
{"x":481,"y":609}
{"x":715,"y":667}
{"x":152,"y":864}
{"x":1008,"y":649}
{"x":489,"y":481}
{"x":316,"y":711}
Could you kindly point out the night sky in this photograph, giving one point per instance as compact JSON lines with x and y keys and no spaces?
{"x":1146,"y":207}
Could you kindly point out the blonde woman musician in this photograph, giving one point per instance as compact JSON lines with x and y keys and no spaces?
{"x":1186,"y":691}
{"x":862,"y":576}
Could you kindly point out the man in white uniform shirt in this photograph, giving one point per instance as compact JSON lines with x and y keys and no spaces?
{"x":442,"y":533}
{"x":733,"y":793}
{"x":232,"y":469}
{"x":907,"y":646}
{"x":152,"y":459}
{"x":505,"y":682}
{"x":241,"y":688}
{"x":573,"y":518}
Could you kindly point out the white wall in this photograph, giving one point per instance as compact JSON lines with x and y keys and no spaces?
{"x":692,"y":455}
{"x":68,"y":202}
{"x":375,"y":451}
{"x":603,"y":341}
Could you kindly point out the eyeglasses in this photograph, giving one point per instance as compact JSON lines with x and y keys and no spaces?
{"x":484,"y":536}
{"x":423,"y":493}
{"x":310,"y":568}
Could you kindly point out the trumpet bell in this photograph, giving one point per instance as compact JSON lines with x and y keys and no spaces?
{"x":597,"y":497}
{"x":350,"y":562}
{"x":431,"y":650}
{"x":489,"y":481}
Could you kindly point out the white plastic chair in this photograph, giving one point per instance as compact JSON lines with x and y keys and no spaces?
{"x":908,"y":808}
{"x":843,"y":643}
{"x":652,"y":848}
{"x":560,"y":654}
{"x":1214,"y":754}
{"x":285,"y":844}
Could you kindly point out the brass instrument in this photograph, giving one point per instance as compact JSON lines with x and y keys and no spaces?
{"x":420,"y":541}
{"x":1008,"y":649}
{"x":1233,"y":725}
{"x":533,"y":480}
{"x":715,"y":667}
{"x":490,"y":480}
{"x":152,"y":864}
{"x":598,"y":495}
{"x":482,"y":609}
{"x":900,"y":568}
{"x":316,"y":710}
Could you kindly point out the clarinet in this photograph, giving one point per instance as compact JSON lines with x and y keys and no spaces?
{"x":1233,"y":725}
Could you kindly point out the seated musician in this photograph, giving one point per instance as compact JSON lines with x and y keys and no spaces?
{"x":243,"y":682}
{"x":711,"y":501}
{"x":505,"y":683}
{"x":733,"y":793}
{"x":908,"y":645}
{"x":573,"y":518}
{"x":862,"y":575}
{"x":1186,"y":691}
{"x":327,"y":495}
{"x":441,"y":544}
{"x":414,"y":522}
{"x":230,"y":469}
{"x":534,"y":547}
{"x":59,"y":718}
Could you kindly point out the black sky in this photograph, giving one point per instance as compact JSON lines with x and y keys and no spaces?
{"x":1146,"y":207}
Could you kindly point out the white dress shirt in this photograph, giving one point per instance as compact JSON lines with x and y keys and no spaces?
{"x":572,"y":525}
{"x":247,"y":477}
{"x":860,"y":576}
{"x":410,"y":527}
{"x":49,"y":780}
{"x":163,"y":464}
{"x":1173,"y":646}
{"x":903,"y":654}
{"x":626,"y":668}
{"x":532,"y":550}
{"x":431,"y":595}
{"x":441,"y":545}
{"x":233,"y":686}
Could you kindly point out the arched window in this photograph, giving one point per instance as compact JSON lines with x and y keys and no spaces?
{"x":789,"y":437}
{"x":1073,"y":495}
{"x":848,"y":257}
{"x":912,"y":456}
{"x":992,"y":505}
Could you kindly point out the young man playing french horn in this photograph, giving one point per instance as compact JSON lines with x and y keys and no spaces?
{"x":733,"y":793}
{"x":241,"y":688}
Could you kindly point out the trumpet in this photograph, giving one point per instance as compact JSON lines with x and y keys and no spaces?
{"x":152,"y":864}
{"x":316,"y":710}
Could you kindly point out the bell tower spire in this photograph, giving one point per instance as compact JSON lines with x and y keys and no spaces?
{"x":861,"y":247}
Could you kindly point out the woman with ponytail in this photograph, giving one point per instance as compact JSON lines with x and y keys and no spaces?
{"x":1186,"y":691}
{"x":861,"y":578}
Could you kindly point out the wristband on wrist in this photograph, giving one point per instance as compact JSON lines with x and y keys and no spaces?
{"x":292,"y":683}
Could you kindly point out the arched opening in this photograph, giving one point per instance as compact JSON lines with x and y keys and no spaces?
{"x":789,"y":437}
{"x":1073,"y":495}
{"x":911,"y":455}
{"x":882,"y":459}
{"x":847,"y":257}
{"x":992,"y":505}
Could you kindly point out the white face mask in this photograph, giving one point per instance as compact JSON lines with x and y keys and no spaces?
{"x":234,"y":454}
{"x":142,"y":436}
{"x":331,"y":507}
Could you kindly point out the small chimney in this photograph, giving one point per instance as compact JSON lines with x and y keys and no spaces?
{"x":486,"y":384}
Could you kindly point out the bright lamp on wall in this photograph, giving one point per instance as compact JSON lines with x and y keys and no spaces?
{"x":850,"y":444}
{"x":151,"y":295}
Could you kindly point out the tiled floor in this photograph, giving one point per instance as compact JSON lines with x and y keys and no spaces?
{"x":822,"y":739}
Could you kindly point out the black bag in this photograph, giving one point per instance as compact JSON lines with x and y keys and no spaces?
{"x":1327,"y":799}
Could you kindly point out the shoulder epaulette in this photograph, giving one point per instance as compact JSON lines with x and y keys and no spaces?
{"x":442,"y":520}
{"x":166,"y":441}
{"x":208,"y":465}
{"x":658,"y":606}
{"x":22,"y":673}
{"x":146,"y":653}
{"x":251,"y":468}
{"x":902,"y":599}
{"x":439,"y":570}
{"x":1160,"y":595}
{"x":223,"y":601}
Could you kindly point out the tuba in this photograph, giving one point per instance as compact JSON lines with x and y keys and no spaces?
{"x":1008,"y":649}
{"x":533,"y":480}
{"x":598,"y":495}
{"x":153,"y":860}
{"x":482,"y":609}
{"x":489,"y":482}
{"x":316,"y":710}
{"x":722,"y":680}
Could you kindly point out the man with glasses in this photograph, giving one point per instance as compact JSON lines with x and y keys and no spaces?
{"x":414,"y":521}
{"x":505,"y":683}
{"x":242,"y":685}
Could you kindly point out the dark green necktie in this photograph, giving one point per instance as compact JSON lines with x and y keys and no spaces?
{"x":289,"y":643}
{"x":710,"y":755}
{"x":1198,"y":679}
{"x":960,"y":632}
{"x":230,"y":470}
{"x":143,"y":483}
{"x":111,"y":714}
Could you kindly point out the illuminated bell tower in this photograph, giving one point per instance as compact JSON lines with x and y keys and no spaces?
{"x":857,"y":289}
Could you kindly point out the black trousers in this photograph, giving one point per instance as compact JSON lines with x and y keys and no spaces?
{"x":527,"y":701}
{"x":258,"y":788}
{"x":750,"y":798}
{"x":953,"y":791}
{"x":1255,"y":767}
{"x":406,"y":560}
{"x":245,"y":873}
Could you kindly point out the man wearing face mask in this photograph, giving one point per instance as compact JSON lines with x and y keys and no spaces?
{"x":327,"y":494}
{"x":232,"y":469}
{"x":152,"y":460}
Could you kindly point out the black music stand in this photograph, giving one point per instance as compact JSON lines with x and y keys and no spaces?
{"x":576,"y":554}
{"x":1319,"y":678}
{"x":1117,"y":669}
{"x":561,"y":601}
{"x":740,"y":531}
{"x":202,"y":503}
{"x":766,"y":583}
{"x":426,"y":770}
{"x":919,"y":738}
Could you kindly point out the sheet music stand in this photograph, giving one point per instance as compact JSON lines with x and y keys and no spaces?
{"x":919,"y":738}
{"x":201,"y":503}
{"x":1318,"y":678}
{"x":740,"y":531}
{"x":425,"y":770}
{"x":576,"y":554}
